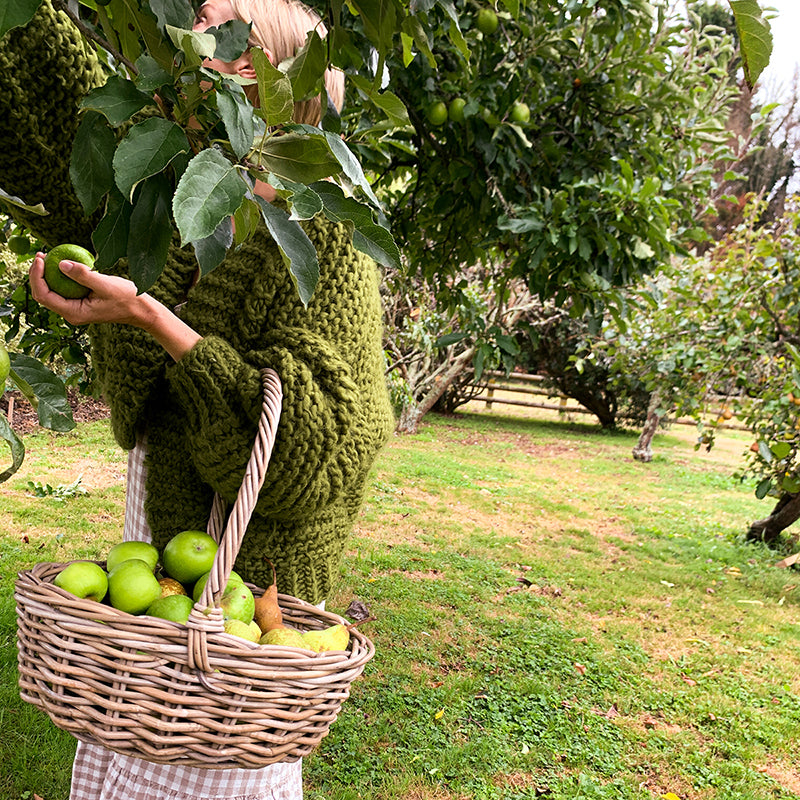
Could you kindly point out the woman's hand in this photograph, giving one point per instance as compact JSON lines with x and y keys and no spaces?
{"x":113,"y":299}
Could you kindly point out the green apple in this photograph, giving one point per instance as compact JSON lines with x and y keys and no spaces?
{"x":132,"y":586}
{"x":241,"y":629}
{"x":175,"y":607}
{"x":203,"y":579}
{"x":57,"y":280}
{"x":5,"y":367}
{"x":237,"y":602}
{"x":520,"y":113}
{"x":127,"y":550}
{"x":487,"y":21}
{"x":83,"y":579}
{"x":437,"y":113}
{"x":456,"y":109}
{"x":19,"y":245}
{"x":188,"y":555}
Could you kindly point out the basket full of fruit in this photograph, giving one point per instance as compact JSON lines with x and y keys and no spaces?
{"x":196,"y":667}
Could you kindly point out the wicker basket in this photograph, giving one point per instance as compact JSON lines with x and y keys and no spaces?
{"x":184,"y":694}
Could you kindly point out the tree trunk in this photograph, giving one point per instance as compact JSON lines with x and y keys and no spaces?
{"x":411,"y":414}
{"x":643,"y":449}
{"x":768,"y":530}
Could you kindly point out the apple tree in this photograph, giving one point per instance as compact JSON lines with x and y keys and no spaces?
{"x":580,"y":141}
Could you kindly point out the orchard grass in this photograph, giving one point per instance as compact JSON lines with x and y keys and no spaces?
{"x":554,"y":620}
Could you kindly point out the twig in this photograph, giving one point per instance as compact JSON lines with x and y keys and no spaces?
{"x":90,"y":34}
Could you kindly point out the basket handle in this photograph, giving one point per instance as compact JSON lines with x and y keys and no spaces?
{"x":201,"y":620}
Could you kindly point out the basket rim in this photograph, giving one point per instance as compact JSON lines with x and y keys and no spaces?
{"x":80,"y":611}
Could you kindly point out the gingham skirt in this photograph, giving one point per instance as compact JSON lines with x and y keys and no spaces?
{"x":99,"y":774}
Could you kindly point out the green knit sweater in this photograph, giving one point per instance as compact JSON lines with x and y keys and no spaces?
{"x":200,"y":414}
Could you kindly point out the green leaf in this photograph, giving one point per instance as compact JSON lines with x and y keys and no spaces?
{"x":755,"y":38}
{"x":412,"y":28}
{"x":15,"y":13}
{"x":450,"y":338}
{"x":147,"y":150}
{"x":298,"y":158}
{"x":150,"y":232}
{"x":368,"y":237}
{"x":196,"y":46}
{"x":237,"y":116}
{"x":351,"y":165}
{"x":379,"y":20}
{"x":90,"y":164}
{"x":763,"y":488}
{"x":209,"y":190}
{"x":790,"y":484}
{"x":17,"y":449}
{"x":232,"y":39}
{"x":780,"y":450}
{"x":387,"y":102}
{"x":45,"y":390}
{"x":118,"y":100}
{"x":173,"y":12}
{"x":136,"y":21}
{"x":245,"y":221}
{"x":296,"y":248}
{"x":307,"y":69}
{"x":211,"y":251}
{"x":150,"y":74}
{"x":110,"y":237}
{"x":12,"y":200}
{"x":274,"y":91}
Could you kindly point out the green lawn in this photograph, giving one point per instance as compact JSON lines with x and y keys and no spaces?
{"x":554,"y":620}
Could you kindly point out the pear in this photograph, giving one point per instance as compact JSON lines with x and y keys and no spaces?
{"x":267,"y":612}
{"x":337,"y":637}
{"x":285,"y":636}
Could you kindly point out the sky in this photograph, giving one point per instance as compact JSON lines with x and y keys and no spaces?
{"x":785,"y":45}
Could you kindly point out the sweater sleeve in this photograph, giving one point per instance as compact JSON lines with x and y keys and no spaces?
{"x":334,"y":392}
{"x":45,"y":71}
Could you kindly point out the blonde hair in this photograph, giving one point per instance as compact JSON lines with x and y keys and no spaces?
{"x":281,"y":27}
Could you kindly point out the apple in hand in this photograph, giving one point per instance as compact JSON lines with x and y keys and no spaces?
{"x":83,"y":579}
{"x":132,"y":586}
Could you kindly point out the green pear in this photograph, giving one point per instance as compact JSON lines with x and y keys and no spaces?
{"x":337,"y":637}
{"x":287,"y":637}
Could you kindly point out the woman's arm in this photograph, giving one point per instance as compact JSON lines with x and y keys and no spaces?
{"x":113,"y":299}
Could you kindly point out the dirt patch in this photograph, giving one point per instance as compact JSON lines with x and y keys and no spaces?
{"x":24,"y":419}
{"x":786,"y":775}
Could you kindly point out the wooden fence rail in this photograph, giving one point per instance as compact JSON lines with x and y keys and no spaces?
{"x":534,"y":386}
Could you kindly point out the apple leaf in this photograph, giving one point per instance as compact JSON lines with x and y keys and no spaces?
{"x":150,"y":231}
{"x":147,"y":149}
{"x":755,"y":38}
{"x":209,"y":190}
{"x":44,"y":390}
{"x":368,"y":236}
{"x":296,"y":248}
{"x":307,"y":68}
{"x":298,"y":158}
{"x":173,"y":12}
{"x":237,"y":116}
{"x":17,"y":449}
{"x":211,"y":251}
{"x":118,"y":99}
{"x":14,"y":13}
{"x":274,"y":91}
{"x":90,"y":166}
{"x":19,"y":203}
{"x":232,"y":38}
{"x":110,"y":237}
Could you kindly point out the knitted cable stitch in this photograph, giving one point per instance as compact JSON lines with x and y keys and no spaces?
{"x":201,"y":413}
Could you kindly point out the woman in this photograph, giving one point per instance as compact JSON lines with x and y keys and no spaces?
{"x":179,"y":368}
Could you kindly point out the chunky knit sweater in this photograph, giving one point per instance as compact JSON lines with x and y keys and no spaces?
{"x":200,"y":414}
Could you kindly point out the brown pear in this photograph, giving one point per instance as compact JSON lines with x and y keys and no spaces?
{"x":268,"y":614}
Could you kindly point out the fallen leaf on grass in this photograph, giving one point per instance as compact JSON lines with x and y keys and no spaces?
{"x":581,"y":668}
